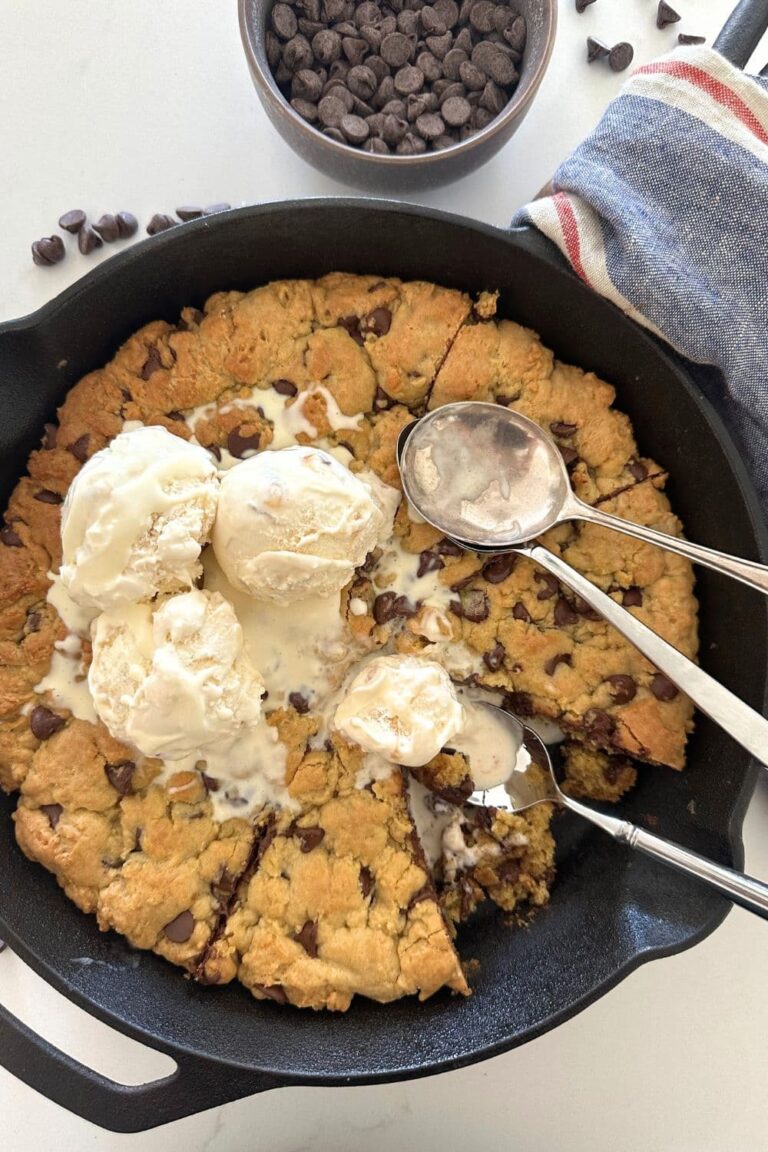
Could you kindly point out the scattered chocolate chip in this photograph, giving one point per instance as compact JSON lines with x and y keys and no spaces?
{"x":448,"y":547}
{"x":299,"y":703}
{"x":285,"y":387}
{"x":561,"y":658}
{"x":44,"y":723}
{"x":429,"y":562}
{"x":632,"y":597}
{"x":564,"y":613}
{"x":79,"y":447}
{"x":307,"y":937}
{"x":686,"y":38}
{"x":662,"y":687}
{"x":498,"y":569}
{"x":45,"y":496}
{"x":239,"y":445}
{"x":181,"y":928}
{"x":308,"y":838}
{"x":520,"y":612}
{"x":560,"y":428}
{"x":48,"y":250}
{"x":665,"y":15}
{"x":622,"y":688}
{"x":72,"y":221}
{"x":274,"y":992}
{"x":596,"y":50}
{"x":550,"y":585}
{"x":582,"y":5}
{"x":366,"y":881}
{"x":152,"y":363}
{"x":120,"y":775}
{"x":10,"y":538}
{"x":107,"y":227}
{"x":127,"y":225}
{"x":160,"y":222}
{"x":621,"y":56}
{"x":494,"y":659}
{"x":638,"y":470}
{"x":88,"y":240}
{"x":53,"y":812}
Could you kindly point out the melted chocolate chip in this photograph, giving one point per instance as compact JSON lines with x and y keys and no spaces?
{"x":53,"y":812}
{"x":622,"y":688}
{"x":10,"y":538}
{"x":559,"y":428}
{"x":366,"y":881}
{"x":494,"y":659}
{"x":498,"y":569}
{"x":307,"y":937}
{"x":308,"y":838}
{"x":224,"y":887}
{"x":209,"y":783}
{"x":382,"y":401}
{"x":638,"y":470}
{"x":599,"y":724}
{"x":274,"y":992}
{"x":564,"y":613}
{"x":509,"y":871}
{"x":472,"y":606}
{"x":45,"y":496}
{"x":518,"y":703}
{"x":561,"y":658}
{"x":663,"y":688}
{"x":285,"y":387}
{"x":351,"y":324}
{"x":448,"y":547}
{"x":520,"y":612}
{"x":79,"y":448}
{"x":44,"y":723}
{"x":378,"y":322}
{"x":569,"y":455}
{"x":175,"y":415}
{"x":584,"y":609}
{"x":549,"y":585}
{"x":214,"y":450}
{"x":632,"y":597}
{"x":424,"y":893}
{"x":238,"y":445}
{"x":151,"y":364}
{"x":181,"y":928}
{"x":429,"y":562}
{"x":33,"y":622}
{"x":120,"y":775}
{"x":299,"y":702}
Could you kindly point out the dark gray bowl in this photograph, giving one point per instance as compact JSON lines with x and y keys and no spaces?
{"x":399,"y":173}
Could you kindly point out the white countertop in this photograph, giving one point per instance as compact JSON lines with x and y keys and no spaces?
{"x":146,"y":105}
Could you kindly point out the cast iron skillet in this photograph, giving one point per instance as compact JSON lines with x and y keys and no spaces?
{"x":610,"y":910}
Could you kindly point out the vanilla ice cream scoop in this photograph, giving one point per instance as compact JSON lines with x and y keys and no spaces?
{"x":402,"y":707}
{"x":136,"y":518}
{"x":174,"y":682}
{"x":294,"y":523}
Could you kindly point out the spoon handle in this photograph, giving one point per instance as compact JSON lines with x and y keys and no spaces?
{"x":736,"y":886}
{"x":747,"y":571}
{"x":743,"y":723}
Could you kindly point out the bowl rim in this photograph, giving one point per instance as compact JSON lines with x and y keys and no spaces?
{"x":515,"y":108}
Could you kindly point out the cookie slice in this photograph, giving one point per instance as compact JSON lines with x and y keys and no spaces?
{"x":340,"y":902}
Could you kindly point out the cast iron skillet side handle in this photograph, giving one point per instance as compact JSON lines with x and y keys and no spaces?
{"x":196,"y":1083}
{"x":742,"y":31}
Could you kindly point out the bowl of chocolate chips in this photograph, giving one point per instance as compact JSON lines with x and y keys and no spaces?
{"x":397,"y":94}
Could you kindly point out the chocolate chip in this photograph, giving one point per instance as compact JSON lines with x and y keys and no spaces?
{"x":120,"y":775}
{"x":175,"y":415}
{"x":509,"y":871}
{"x":429,"y":66}
{"x":559,"y":428}
{"x":550,"y":586}
{"x":662,"y":687}
{"x":307,"y":937}
{"x":448,"y":12}
{"x":424,"y":893}
{"x":452,"y":62}
{"x":181,"y":928}
{"x":48,"y":250}
{"x":481,"y":16}
{"x":569,"y":455}
{"x":10,"y":538}
{"x":308,"y":838}
{"x":596,"y":50}
{"x":632,"y":597}
{"x":79,"y":447}
{"x":44,"y":723}
{"x":488,"y":58}
{"x":621,"y":56}
{"x":299,"y":703}
{"x":493,"y":98}
{"x":297,"y":54}
{"x":582,"y":5}
{"x":665,"y":15}
{"x":273,"y":49}
{"x":107,"y":227}
{"x":564,"y":613}
{"x":561,"y":658}
{"x":494,"y":659}
{"x":409,"y":80}
{"x":191,"y":211}
{"x":152,"y":363}
{"x":160,"y":222}
{"x":599,"y":724}
{"x":45,"y":496}
{"x":472,"y":606}
{"x":429,"y":562}
{"x":354,"y":129}
{"x":585,"y":609}
{"x":274,"y":992}
{"x":366,"y":881}
{"x":638,"y":470}
{"x":682,"y":38}
{"x":622,"y":688}
{"x":127,"y":225}
{"x":518,"y":703}
{"x":283,"y":21}
{"x":455,"y":111}
{"x":33,"y":622}
{"x":439,"y":46}
{"x":499,"y":568}
{"x":378,"y":322}
{"x":431,"y":23}
{"x":351,"y":324}
{"x":285,"y":387}
{"x":306,"y":110}
{"x":239,"y":445}
{"x":403,"y":607}
{"x":326,"y":47}
{"x":396,"y":49}
{"x":448,"y":547}
{"x":331,"y":111}
{"x":88,"y":240}
{"x":53,"y":812}
{"x":520,"y":612}
{"x":72,"y":221}
{"x":209,"y":783}
{"x":516,"y":34}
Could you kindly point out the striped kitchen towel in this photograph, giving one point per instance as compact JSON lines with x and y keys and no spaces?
{"x":664,"y":211}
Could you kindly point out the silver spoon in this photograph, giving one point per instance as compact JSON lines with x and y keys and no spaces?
{"x":511,"y":484}
{"x":448,"y":463}
{"x":533,"y":781}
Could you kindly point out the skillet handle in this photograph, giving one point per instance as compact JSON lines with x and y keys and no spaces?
{"x":742,"y":31}
{"x":195,"y":1086}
